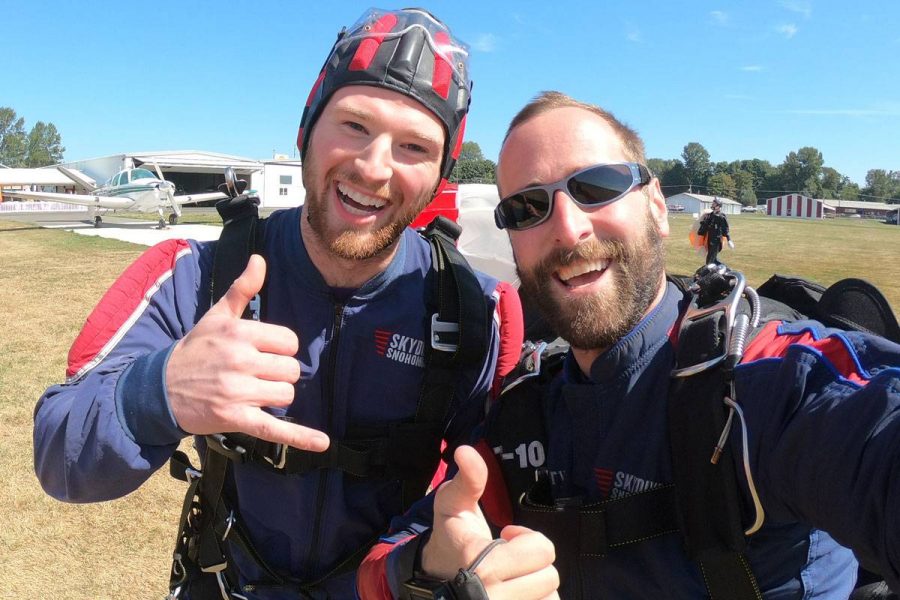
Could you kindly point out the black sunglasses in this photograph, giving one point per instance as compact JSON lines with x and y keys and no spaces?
{"x":593,"y":187}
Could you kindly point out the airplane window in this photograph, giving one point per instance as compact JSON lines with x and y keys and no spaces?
{"x":142,"y":174}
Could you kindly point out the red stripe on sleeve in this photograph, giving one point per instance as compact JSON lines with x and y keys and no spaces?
{"x":371,"y":577}
{"x":769,"y":343}
{"x":367,"y":48}
{"x":122,"y":304}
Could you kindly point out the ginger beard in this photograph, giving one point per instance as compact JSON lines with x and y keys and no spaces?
{"x":600,"y":320}
{"x":354,"y":244}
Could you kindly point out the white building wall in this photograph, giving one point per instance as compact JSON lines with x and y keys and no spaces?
{"x":279,"y":185}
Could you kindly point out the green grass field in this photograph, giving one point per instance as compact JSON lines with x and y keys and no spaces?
{"x":50,"y":280}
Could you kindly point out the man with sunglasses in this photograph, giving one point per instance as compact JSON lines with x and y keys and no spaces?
{"x":584,"y":453}
{"x":322,"y":420}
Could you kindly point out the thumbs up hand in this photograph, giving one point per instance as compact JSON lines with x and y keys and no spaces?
{"x":520,"y":569}
{"x":226,"y":370}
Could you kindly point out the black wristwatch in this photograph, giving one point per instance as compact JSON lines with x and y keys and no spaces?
{"x":465,"y":586}
{"x":426,"y":588}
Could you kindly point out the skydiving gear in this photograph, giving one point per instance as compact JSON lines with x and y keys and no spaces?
{"x":407,"y":51}
{"x":407,"y":451}
{"x":704,"y":503}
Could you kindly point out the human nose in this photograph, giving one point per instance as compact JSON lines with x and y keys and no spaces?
{"x":375,"y":162}
{"x":570,"y":223}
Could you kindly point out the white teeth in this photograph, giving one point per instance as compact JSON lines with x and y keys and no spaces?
{"x":568,"y":272}
{"x":361,"y":198}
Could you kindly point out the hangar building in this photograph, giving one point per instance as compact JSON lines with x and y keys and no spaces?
{"x":277,"y":181}
{"x":697,"y":203}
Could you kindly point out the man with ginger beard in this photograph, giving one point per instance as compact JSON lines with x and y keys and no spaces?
{"x":582,"y":453}
{"x":326,"y":417}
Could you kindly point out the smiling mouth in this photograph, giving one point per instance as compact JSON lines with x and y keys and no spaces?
{"x":357,"y":202}
{"x":582,"y":273}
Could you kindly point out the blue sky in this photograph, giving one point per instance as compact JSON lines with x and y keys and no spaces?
{"x":745,"y":79}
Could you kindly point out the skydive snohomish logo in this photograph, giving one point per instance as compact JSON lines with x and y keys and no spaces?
{"x":400,"y":348}
{"x":617,"y":484}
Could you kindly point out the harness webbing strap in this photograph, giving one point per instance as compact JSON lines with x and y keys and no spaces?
{"x":459,"y":301}
{"x":708,"y":497}
{"x":598,"y":528}
{"x":239,"y":239}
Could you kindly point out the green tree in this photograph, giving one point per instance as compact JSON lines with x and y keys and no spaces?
{"x":697,"y":166}
{"x":44,"y":145}
{"x":721,"y":184}
{"x":881,"y":186}
{"x":39,"y":147}
{"x":802,"y":170}
{"x":472,"y":166}
{"x":12,"y":138}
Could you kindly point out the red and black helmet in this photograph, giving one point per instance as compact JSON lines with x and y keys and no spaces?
{"x":407,"y":51}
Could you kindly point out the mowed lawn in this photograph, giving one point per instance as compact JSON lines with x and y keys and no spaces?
{"x":50,"y":280}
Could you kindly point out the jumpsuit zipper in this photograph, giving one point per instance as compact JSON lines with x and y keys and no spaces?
{"x":328,"y":396}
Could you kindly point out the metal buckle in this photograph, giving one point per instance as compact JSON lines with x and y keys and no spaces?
{"x":438,"y":327}
{"x":729,"y":306}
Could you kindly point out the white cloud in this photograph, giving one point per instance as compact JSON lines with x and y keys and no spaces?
{"x":752,"y":68}
{"x":486,"y":42}
{"x":788,"y":30}
{"x":803,"y":7}
{"x":719,"y":17}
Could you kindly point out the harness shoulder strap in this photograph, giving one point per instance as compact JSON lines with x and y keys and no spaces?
{"x":243,"y":234}
{"x":706,"y":484}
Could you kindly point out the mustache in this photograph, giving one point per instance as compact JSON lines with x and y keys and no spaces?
{"x":584,"y":251}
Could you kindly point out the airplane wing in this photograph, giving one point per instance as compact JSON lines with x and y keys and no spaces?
{"x":82,"y":199}
{"x":188,"y":198}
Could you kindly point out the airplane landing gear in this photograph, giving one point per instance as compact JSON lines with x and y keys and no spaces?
{"x":97,"y":221}
{"x":173,"y":219}
{"x":162,"y":219}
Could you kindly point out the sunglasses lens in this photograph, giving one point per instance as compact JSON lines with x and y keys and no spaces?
{"x":525,"y":209}
{"x":601,"y":184}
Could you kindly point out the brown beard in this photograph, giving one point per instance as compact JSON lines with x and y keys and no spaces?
{"x":351,"y":244}
{"x":600,"y":320}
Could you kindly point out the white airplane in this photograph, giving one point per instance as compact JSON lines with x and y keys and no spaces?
{"x":132,"y":189}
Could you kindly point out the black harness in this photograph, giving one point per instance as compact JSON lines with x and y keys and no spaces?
{"x":704,"y":504}
{"x":407,"y":451}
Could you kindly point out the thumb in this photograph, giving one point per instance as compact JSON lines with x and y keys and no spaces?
{"x":244,"y":288}
{"x":462,"y":493}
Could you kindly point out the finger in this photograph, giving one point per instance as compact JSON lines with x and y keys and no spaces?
{"x":462,"y":493}
{"x":274,"y":367}
{"x":539,"y":584}
{"x":264,"y":426}
{"x":243,"y":289}
{"x":267,"y":337}
{"x":525,"y":552}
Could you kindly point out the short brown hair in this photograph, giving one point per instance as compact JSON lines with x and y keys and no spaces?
{"x":551,"y":100}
